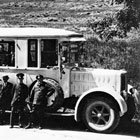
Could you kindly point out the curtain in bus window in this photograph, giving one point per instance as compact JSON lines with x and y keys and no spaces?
{"x":32,"y":53}
{"x":7,"y":53}
{"x":48,"y":52}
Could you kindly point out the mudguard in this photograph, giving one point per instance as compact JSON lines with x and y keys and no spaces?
{"x":107,"y":90}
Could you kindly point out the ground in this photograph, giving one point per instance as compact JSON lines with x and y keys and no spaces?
{"x":65,"y":128}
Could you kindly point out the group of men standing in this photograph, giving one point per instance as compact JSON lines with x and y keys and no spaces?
{"x":18,"y":97}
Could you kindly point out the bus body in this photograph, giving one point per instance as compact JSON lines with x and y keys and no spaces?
{"x":93,"y":96}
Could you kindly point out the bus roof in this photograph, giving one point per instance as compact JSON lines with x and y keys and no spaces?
{"x":37,"y":32}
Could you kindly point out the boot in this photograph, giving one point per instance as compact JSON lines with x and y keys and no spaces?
{"x":11,"y":126}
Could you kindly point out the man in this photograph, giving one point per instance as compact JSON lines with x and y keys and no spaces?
{"x":5,"y":97}
{"x":18,"y":102}
{"x":38,"y":99}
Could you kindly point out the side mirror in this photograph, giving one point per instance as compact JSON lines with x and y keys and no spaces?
{"x":63,"y":59}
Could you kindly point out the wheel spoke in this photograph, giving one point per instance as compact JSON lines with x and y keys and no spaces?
{"x":102,"y":110}
{"x":93,"y":115}
{"x":96,"y":109}
{"x":103,"y":119}
{"x":93,"y":112}
{"x":106,"y":114}
{"x":98,"y":121}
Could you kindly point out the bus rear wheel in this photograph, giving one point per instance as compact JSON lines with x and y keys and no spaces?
{"x":55,"y":101}
{"x":99,"y":115}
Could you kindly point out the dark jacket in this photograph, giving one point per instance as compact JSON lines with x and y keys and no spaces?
{"x":20,"y":94}
{"x":40,"y":94}
{"x":6,"y":95}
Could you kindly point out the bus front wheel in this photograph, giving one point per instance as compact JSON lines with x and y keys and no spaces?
{"x":99,"y":115}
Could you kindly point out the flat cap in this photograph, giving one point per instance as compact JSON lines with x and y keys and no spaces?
{"x":6,"y":77}
{"x":39,"y":76}
{"x":20,"y":75}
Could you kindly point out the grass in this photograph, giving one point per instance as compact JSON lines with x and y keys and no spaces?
{"x":73,"y":15}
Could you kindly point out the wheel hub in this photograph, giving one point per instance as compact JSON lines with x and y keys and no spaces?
{"x":99,"y":115}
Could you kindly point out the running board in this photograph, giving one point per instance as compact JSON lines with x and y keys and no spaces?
{"x":60,"y":114}
{"x":54,"y":114}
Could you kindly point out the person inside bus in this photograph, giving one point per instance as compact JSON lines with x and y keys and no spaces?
{"x":11,"y":57}
{"x":3,"y":58}
{"x":5,"y":97}
{"x":20,"y":93}
{"x":38,"y":99}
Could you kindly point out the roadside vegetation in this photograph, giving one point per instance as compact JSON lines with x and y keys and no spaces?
{"x":119,"y":34}
{"x":115,"y":54}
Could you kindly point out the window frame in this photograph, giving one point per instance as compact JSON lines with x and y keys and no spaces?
{"x":36,"y":53}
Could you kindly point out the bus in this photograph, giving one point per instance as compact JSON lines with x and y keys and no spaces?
{"x":94,"y":97}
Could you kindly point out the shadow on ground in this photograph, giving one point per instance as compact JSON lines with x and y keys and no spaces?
{"x":129,"y":129}
{"x":68,"y":123}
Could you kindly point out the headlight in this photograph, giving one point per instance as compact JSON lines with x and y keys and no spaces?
{"x":132,"y":90}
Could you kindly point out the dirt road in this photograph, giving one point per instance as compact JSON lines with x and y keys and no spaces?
{"x":67,"y":129}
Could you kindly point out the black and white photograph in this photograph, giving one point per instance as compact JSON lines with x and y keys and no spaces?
{"x":69,"y":69}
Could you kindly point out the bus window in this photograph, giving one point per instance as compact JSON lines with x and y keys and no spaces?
{"x":7,"y":53}
{"x":70,"y":52}
{"x":74,"y":53}
{"x":48,"y":52}
{"x":32,"y":53}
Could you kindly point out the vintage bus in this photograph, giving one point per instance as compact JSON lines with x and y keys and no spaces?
{"x":96,"y":97}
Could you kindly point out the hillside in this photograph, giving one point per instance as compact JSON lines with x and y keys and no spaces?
{"x":67,"y":14}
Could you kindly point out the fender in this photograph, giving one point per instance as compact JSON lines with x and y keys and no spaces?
{"x":106,"y":90}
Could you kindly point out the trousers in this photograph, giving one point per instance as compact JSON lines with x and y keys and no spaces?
{"x":20,"y":111}
{"x":37,"y":114}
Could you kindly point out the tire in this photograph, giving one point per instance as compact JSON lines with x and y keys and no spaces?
{"x":100,"y":115}
{"x":55,"y":101}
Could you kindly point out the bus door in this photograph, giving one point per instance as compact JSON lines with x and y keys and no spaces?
{"x":69,"y":58}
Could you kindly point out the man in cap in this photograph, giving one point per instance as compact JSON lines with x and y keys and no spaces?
{"x":5,"y":97}
{"x":38,"y":99}
{"x":18,"y":102}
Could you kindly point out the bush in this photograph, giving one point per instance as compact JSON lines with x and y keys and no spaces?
{"x":115,"y":54}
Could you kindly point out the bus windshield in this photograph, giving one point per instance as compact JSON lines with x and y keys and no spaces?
{"x":71,"y":52}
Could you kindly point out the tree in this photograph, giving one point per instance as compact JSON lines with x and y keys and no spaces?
{"x":120,"y":23}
